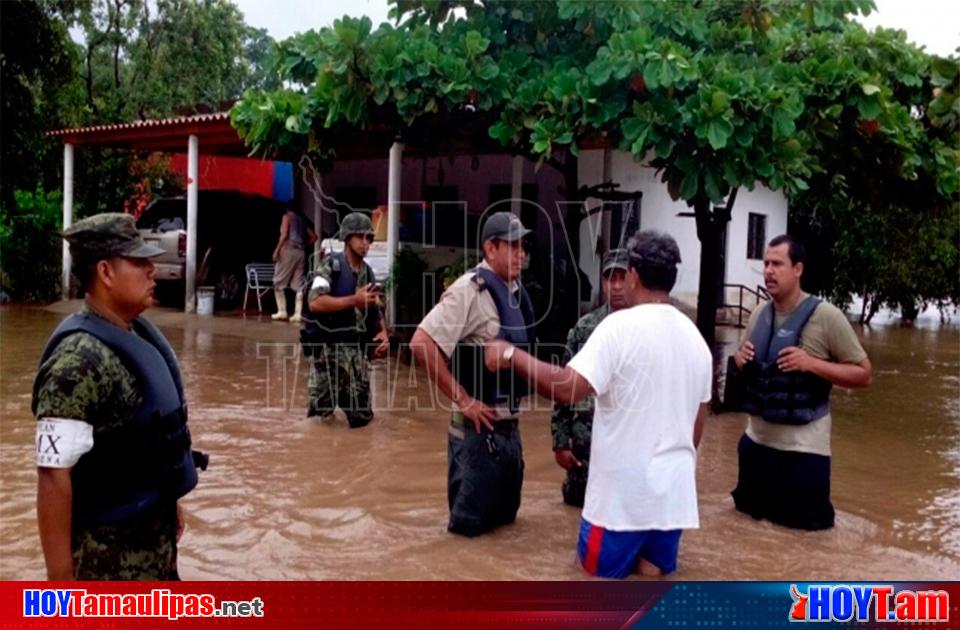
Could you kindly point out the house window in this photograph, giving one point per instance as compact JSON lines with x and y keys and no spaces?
{"x":756,"y":236}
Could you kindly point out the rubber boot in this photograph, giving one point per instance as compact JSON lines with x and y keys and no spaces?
{"x":297,"y":309}
{"x":281,"y":314}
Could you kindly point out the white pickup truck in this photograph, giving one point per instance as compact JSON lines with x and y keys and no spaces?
{"x":170,"y":235}
{"x":233,"y":229}
{"x":437,"y":258}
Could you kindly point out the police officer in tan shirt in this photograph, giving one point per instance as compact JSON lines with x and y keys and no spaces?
{"x":485,"y":458}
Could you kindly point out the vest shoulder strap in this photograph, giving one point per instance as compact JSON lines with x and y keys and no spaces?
{"x":768,"y":338}
{"x":145,"y":354}
{"x":487,"y":280}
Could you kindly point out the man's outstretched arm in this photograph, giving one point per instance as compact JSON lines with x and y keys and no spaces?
{"x":562,"y":384}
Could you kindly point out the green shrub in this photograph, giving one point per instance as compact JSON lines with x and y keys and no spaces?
{"x":31,"y":246}
{"x":406,"y":279}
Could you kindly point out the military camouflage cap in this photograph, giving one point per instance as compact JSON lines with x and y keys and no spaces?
{"x":107,"y":235}
{"x":355,"y":223}
{"x":615,"y":259}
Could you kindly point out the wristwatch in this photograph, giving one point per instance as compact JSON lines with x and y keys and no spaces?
{"x":508,"y":354}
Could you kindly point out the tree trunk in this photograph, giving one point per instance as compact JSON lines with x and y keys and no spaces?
{"x":711,"y":226}
{"x":874,"y":307}
{"x":709,"y":237}
{"x":863,"y":307}
{"x":89,"y":81}
{"x":908,"y":311}
{"x":116,"y":61}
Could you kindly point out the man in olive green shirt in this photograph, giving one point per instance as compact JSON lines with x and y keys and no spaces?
{"x":793,"y":351}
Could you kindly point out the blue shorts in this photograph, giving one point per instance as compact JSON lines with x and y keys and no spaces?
{"x":616,"y":554}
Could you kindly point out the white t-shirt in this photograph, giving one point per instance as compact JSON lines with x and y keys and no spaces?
{"x":651,"y":370}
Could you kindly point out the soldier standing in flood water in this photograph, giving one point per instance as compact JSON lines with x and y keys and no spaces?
{"x":343,"y":318}
{"x":571,"y":424}
{"x":113,"y":447}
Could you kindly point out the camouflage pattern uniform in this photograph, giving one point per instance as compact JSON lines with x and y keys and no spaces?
{"x":84,"y":380}
{"x":571,"y":425}
{"x":340,"y":373}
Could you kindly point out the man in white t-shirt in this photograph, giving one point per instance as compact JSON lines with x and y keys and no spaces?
{"x":651,"y":373}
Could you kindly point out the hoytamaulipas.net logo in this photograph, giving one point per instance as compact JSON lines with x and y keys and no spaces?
{"x":50,"y":602}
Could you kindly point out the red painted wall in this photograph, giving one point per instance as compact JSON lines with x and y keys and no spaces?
{"x":229,"y":173}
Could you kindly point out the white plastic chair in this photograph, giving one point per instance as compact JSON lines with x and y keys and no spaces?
{"x":259,"y":280}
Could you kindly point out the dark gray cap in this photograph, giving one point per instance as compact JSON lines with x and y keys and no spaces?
{"x":107,"y":235}
{"x":615,"y":259}
{"x":503,"y":226}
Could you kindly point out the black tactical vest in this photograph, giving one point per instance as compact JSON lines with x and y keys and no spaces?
{"x":149,"y":459}
{"x":775,"y":395}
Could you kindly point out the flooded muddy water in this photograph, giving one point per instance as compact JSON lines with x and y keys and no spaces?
{"x":290,"y":498}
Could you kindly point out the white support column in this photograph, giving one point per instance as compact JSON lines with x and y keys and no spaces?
{"x":516,"y":184}
{"x":393,"y":222}
{"x":67,"y":213}
{"x":318,"y":229}
{"x":190,"y":273}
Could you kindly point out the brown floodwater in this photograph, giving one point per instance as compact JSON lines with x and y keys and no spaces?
{"x":290,"y":498}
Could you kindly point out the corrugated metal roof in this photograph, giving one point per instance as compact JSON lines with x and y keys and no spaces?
{"x":143,"y":124}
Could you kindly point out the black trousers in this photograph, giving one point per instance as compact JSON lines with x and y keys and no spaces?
{"x":484,"y":477}
{"x":785,"y":487}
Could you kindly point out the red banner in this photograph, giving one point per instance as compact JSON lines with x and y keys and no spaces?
{"x":581,"y":605}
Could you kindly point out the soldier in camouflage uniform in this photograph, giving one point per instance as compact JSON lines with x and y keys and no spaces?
{"x":571,"y":425}
{"x":344,"y":317}
{"x":113,"y":448}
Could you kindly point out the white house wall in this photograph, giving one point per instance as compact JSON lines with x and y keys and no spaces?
{"x":660,"y":212}
{"x":771,"y":204}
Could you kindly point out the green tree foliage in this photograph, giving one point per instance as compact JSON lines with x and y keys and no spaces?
{"x":259,"y":55}
{"x":37,"y":60}
{"x":154,"y":59}
{"x":144,"y":59}
{"x":134,"y":59}
{"x":881,"y":212}
{"x":717,"y":95}
{"x":30,"y":246}
{"x":36,"y":65}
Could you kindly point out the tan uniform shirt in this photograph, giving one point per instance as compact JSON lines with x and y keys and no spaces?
{"x":829,"y":336}
{"x":464,"y":313}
